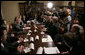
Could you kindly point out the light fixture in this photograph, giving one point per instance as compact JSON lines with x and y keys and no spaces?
{"x":50,"y":5}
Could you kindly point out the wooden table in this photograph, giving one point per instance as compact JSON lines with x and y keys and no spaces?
{"x":37,"y":43}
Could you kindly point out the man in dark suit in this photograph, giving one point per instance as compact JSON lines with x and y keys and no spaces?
{"x":52,"y":27}
{"x":9,"y":43}
{"x":24,"y":19}
{"x":18,"y":26}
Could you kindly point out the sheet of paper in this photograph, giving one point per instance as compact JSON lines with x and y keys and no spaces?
{"x":51,"y":50}
{"x":47,"y":40}
{"x":40,"y":50}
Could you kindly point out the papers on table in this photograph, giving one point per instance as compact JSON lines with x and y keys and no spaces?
{"x":51,"y":50}
{"x":28,"y":33}
{"x":48,"y":36}
{"x":26,"y":40}
{"x":27,"y":49}
{"x":48,"y":39}
{"x":40,"y":50}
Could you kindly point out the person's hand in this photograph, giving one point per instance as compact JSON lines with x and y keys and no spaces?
{"x":20,"y":39}
{"x":62,"y":29}
{"x":20,"y":48}
{"x":24,"y":25}
{"x":26,"y":28}
{"x":42,"y":26}
{"x":12,"y":35}
{"x":44,"y":29}
{"x":59,"y":43}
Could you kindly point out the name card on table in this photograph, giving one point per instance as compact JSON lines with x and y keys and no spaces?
{"x":37,"y":37}
{"x":31,"y":39}
{"x":51,"y":50}
{"x":40,"y":50}
{"x":32,"y":46}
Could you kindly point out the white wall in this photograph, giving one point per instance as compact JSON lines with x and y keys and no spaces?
{"x":9,"y":9}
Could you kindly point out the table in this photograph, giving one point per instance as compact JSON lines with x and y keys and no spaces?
{"x":37,"y":43}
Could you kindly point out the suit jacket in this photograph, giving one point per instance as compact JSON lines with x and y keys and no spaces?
{"x":4,"y":50}
{"x":10,"y":43}
{"x":24,"y":20}
{"x":18,"y":27}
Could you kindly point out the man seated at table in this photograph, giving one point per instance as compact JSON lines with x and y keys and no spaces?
{"x":53,"y":26}
{"x":61,"y":44}
{"x":5,"y":25}
{"x":8,"y":43}
{"x":74,"y":39}
{"x":18,"y":26}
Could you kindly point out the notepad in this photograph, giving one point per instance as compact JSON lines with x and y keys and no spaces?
{"x":51,"y":50}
